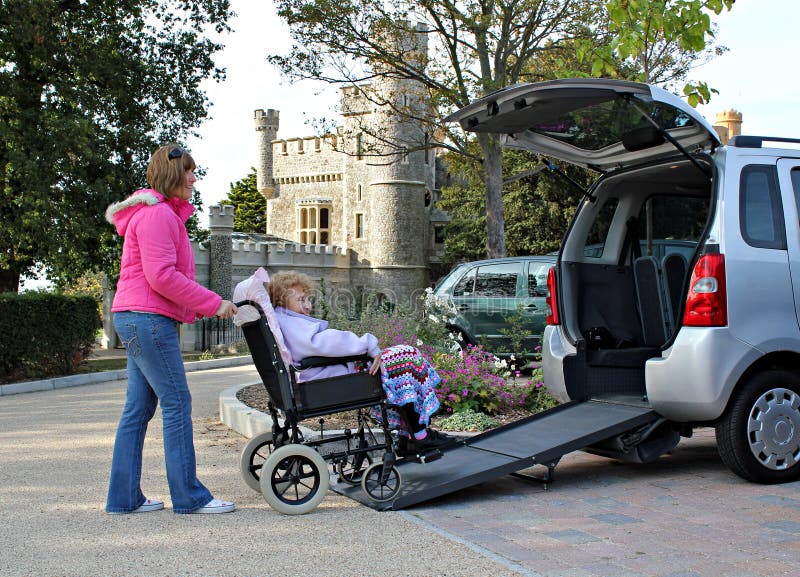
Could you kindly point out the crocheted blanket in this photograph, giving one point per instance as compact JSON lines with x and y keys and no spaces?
{"x":407,"y":377}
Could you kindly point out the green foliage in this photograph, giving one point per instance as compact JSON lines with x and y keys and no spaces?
{"x":196,"y":232}
{"x":467,"y":420}
{"x":472,"y":379}
{"x":89,"y":90}
{"x":657,"y":42}
{"x":45,"y":334}
{"x":538,"y":207}
{"x":251,"y":206}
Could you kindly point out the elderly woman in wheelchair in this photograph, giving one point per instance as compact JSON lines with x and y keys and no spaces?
{"x":310,"y":370}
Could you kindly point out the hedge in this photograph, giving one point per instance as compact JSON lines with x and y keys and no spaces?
{"x":45,"y":334}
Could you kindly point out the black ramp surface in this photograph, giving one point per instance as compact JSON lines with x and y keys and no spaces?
{"x":535,"y":440}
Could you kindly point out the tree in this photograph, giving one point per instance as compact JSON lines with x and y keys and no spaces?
{"x":88,"y":89}
{"x":538,"y":207}
{"x":465,"y":51}
{"x":472,"y":50}
{"x":251,"y":206}
{"x":660,"y":41}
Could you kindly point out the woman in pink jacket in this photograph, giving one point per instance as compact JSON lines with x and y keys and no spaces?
{"x":156,"y":291}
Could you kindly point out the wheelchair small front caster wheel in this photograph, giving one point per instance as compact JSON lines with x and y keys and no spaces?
{"x":294,"y":479}
{"x":381,"y":487}
{"x":351,"y":469}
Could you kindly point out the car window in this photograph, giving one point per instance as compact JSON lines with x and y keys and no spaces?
{"x":465,"y":286}
{"x":760,"y":208}
{"x":596,"y":239}
{"x":796,"y":186}
{"x":498,"y":280}
{"x":670,"y":224}
{"x":537,"y":278}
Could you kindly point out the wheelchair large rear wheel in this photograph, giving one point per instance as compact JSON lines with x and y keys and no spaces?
{"x":294,"y":479}
{"x":254,"y":454}
{"x":378,"y":488}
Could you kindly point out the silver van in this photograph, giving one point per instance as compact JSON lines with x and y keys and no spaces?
{"x":677,"y":284}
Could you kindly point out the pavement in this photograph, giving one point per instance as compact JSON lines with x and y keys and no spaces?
{"x":685,"y":515}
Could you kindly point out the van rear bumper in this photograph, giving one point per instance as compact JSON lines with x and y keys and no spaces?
{"x":694,"y":378}
{"x":554,"y":348}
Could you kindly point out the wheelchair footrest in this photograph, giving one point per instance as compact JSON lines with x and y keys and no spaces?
{"x":427,"y":456}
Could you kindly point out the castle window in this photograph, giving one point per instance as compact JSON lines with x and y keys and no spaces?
{"x":284,"y":148}
{"x":359,"y":193}
{"x":427,"y":148}
{"x":438,"y":234}
{"x":317,"y":144}
{"x":300,"y":146}
{"x":359,"y":225}
{"x":314,"y":220}
{"x":359,"y":146}
{"x":404,"y":155}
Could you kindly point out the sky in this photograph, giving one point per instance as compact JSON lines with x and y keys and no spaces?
{"x":755,"y":77}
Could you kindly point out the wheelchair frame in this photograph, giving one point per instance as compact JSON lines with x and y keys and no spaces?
{"x":290,"y":471}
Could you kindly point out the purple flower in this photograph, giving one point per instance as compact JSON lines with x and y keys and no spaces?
{"x":465,"y":393}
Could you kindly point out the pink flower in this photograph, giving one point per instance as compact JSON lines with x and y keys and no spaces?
{"x":465,"y":393}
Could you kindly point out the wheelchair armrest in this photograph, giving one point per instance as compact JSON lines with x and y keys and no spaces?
{"x":309,"y":362}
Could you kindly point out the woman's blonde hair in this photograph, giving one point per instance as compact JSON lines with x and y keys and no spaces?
{"x":168,"y":167}
{"x":284,"y":283}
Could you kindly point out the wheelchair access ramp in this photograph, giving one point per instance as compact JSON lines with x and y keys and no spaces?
{"x":537,"y":440}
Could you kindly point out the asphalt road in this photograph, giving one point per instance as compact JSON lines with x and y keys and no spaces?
{"x":55,"y":451}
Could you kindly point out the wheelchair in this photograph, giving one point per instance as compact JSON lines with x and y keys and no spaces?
{"x":292,"y":472}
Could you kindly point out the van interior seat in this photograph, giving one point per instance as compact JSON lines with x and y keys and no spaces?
{"x":673,"y":268}
{"x":651,"y":302}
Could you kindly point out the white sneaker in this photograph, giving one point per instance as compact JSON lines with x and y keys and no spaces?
{"x":147,"y":506}
{"x":216,"y":506}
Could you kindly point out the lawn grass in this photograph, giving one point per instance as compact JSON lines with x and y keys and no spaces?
{"x":116,"y":363}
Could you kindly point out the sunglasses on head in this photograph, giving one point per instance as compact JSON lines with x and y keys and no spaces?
{"x":176,"y":153}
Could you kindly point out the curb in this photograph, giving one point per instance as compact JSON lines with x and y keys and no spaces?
{"x":236,"y":415}
{"x":105,"y":376}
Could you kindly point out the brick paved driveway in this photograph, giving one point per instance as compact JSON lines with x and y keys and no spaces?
{"x":683,"y":516}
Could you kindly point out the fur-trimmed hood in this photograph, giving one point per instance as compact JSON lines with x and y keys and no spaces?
{"x":119,"y":213}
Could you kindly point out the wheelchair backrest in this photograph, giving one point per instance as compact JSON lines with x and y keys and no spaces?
{"x":267,"y":359}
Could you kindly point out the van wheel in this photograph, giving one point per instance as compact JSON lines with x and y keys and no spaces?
{"x":759,"y":436}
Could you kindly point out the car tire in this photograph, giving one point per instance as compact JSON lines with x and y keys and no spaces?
{"x":758,"y":437}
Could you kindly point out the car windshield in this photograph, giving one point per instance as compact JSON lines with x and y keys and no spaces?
{"x":603,"y":124}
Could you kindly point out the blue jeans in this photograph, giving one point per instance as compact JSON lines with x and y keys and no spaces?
{"x":155,"y":373}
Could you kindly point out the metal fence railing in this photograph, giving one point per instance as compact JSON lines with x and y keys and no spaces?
{"x":219,"y":333}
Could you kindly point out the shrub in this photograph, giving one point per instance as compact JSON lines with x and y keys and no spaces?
{"x":467,"y":420}
{"x":472,"y":379}
{"x":45,"y":334}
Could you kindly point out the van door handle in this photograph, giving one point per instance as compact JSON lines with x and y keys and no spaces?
{"x":462,"y":307}
{"x":530,"y":307}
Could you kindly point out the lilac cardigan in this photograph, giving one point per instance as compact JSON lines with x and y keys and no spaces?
{"x":309,"y":337}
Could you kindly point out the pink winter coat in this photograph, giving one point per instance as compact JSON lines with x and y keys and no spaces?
{"x":157,"y":269}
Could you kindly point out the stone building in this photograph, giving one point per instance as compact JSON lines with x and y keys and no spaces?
{"x":372,"y":198}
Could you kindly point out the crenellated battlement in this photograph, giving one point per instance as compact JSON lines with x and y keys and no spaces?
{"x":263,"y":120}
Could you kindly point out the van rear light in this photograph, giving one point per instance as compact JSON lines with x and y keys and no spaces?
{"x":551,"y":299}
{"x":707,"y":303}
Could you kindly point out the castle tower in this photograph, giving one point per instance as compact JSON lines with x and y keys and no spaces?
{"x":266,"y":124}
{"x":731,"y":123}
{"x":395,"y":176}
